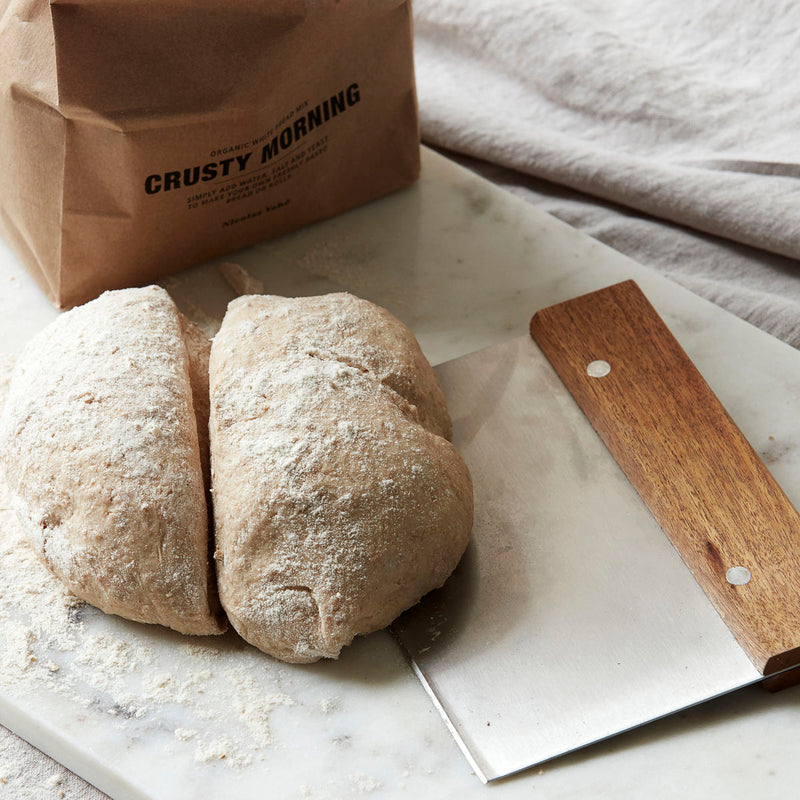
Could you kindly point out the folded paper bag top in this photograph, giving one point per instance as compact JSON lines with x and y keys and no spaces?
{"x":138,"y":138}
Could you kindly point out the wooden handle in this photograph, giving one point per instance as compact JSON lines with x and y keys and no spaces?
{"x":692,"y":466}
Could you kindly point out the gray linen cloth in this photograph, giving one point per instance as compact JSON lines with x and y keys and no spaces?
{"x":668,"y":129}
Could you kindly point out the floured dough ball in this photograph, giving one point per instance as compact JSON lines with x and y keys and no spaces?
{"x":99,"y":441}
{"x":338,"y":501}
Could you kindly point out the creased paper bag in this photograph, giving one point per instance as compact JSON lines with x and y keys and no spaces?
{"x":138,"y":137}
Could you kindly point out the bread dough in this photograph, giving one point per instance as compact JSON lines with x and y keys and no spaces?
{"x":343,"y":328}
{"x":338,"y":502}
{"x":198,"y":352}
{"x":99,"y":440}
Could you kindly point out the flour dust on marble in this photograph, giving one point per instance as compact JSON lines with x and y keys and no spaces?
{"x":140,"y":676}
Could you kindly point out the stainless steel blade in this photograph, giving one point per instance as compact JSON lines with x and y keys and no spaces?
{"x":571,"y":617}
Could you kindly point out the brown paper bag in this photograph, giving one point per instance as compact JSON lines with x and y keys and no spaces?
{"x":138,"y":137}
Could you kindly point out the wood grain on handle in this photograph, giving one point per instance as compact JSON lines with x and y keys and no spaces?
{"x":692,"y":466}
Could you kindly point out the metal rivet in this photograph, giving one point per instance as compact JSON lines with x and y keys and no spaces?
{"x":598,"y":369}
{"x":738,"y":576}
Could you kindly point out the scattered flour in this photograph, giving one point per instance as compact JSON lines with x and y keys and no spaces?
{"x":215,"y":750}
{"x":138,"y":675}
{"x":365,"y":784}
{"x":17,"y":778}
{"x":329,"y":704}
{"x":7,"y":770}
{"x":56,"y":779}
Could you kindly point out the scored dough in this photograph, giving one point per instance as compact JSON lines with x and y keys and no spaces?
{"x":338,"y":502}
{"x":99,"y":440}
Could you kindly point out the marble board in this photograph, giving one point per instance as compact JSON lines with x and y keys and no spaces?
{"x":142,"y":712}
